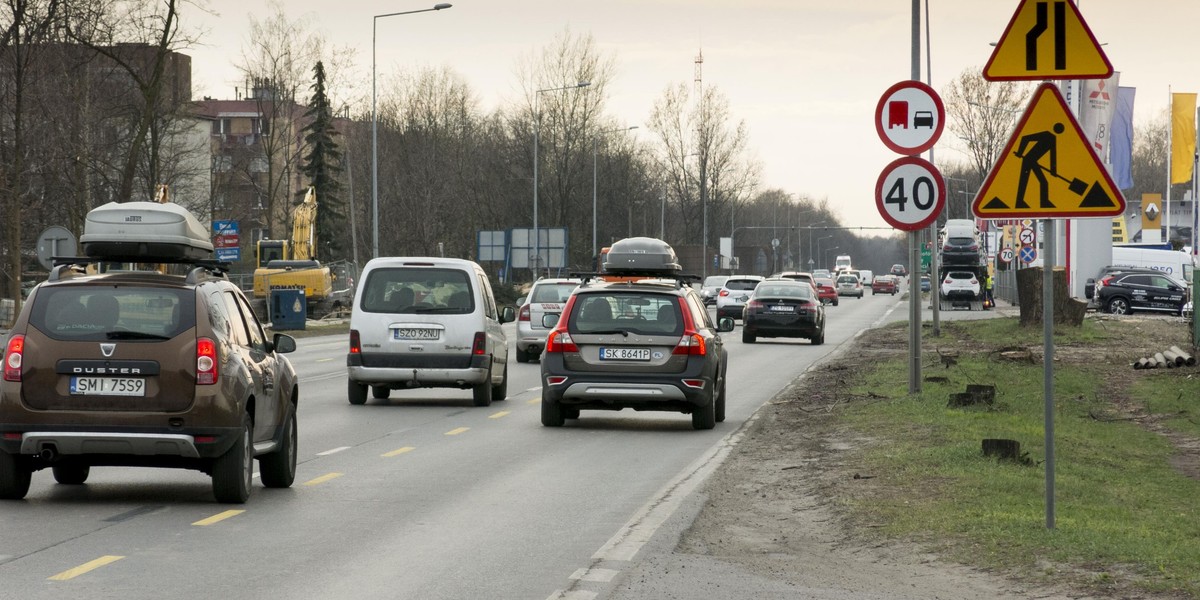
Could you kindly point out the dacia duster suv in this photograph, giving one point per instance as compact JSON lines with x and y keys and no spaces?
{"x":109,"y":365}
{"x":646,"y":344}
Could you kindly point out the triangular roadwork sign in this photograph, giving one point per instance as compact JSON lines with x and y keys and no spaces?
{"x":1047,"y":39}
{"x":1048,"y":169}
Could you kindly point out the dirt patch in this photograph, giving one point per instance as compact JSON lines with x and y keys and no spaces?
{"x":775,"y":506}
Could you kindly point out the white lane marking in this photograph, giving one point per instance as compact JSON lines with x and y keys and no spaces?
{"x":595,"y":574}
{"x":534,"y":389}
{"x":646,"y":521}
{"x":333,"y":451}
{"x":572,"y":595}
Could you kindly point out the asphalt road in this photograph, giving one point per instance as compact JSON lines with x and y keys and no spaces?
{"x":419,"y":496}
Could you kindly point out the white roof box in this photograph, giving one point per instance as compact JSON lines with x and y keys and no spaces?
{"x":144,"y":231}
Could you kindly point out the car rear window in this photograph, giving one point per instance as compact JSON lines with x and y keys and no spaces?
{"x":961,"y":241}
{"x":552,"y":292}
{"x":418,"y":290}
{"x":741,"y":284}
{"x":847,"y":279}
{"x":633,"y":312}
{"x":960,"y":275}
{"x":93,"y":313}
{"x":774,"y":290}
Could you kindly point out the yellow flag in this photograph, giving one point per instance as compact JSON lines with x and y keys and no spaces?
{"x":1183,"y":136}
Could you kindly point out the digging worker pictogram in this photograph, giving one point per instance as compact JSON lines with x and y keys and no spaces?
{"x":1033,"y":147}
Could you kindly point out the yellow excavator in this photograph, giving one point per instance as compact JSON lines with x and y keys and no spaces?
{"x":291,"y":264}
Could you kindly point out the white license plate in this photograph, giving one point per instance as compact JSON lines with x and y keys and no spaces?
{"x":783,"y":308}
{"x":413,"y":333}
{"x":624,"y":354}
{"x":108,"y":386}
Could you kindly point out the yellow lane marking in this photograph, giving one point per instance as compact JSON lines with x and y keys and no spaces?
{"x":534,"y":401}
{"x":219,"y":517}
{"x":85,"y":567}
{"x":397,"y":452}
{"x":503,"y":413}
{"x":322,"y":479}
{"x":458,"y":430}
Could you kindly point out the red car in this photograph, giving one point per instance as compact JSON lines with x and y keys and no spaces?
{"x":883,"y":284}
{"x":826,"y":292}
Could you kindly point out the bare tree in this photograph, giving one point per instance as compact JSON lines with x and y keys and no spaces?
{"x":983,"y":115}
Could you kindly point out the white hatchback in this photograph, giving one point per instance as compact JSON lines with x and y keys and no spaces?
{"x":539,"y":314}
{"x":427,"y":322}
{"x":733,"y":295}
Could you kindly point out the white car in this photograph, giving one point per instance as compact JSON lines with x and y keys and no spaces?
{"x":539,"y":314}
{"x":733,"y":295}
{"x":848,"y":284}
{"x":961,"y":285}
{"x":427,"y":322}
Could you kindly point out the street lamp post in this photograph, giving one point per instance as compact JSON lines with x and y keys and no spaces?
{"x":375,"y":126}
{"x":537,"y":126}
{"x":810,"y":238}
{"x":825,"y":256}
{"x":595,"y":146}
{"x":819,"y":245}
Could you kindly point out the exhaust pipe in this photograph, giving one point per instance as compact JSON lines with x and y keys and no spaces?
{"x":48,"y":453}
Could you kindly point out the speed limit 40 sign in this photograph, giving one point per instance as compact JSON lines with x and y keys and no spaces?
{"x":910,"y":193}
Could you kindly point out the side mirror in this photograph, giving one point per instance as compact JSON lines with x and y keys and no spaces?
{"x":724,"y":324}
{"x":550,"y":320}
{"x":284,"y":343}
{"x":508,"y":314}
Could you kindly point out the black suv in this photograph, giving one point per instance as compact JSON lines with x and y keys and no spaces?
{"x":1090,"y":287}
{"x":645,"y":345}
{"x":115,"y":361}
{"x":1122,"y":293}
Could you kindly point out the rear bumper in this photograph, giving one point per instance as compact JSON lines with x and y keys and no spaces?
{"x":425,"y":371}
{"x":665,"y":392}
{"x":121,"y":447}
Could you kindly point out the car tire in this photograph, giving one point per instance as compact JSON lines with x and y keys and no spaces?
{"x":69,"y":473}
{"x":500,"y":392}
{"x":720,"y":402}
{"x":552,"y":412}
{"x":522,"y":357}
{"x":357,"y":393}
{"x":278,"y":469}
{"x":380,"y":392}
{"x":1119,"y":305}
{"x":835,"y":302}
{"x":747,"y":337}
{"x":15,"y":476}
{"x":482,"y":392}
{"x":232,"y":471}
{"x":818,"y":339}
{"x":705,"y":416}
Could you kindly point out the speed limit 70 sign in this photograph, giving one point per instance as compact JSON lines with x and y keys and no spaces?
{"x":910,"y":193}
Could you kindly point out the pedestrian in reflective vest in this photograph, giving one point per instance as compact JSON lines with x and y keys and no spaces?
{"x":988,"y":300}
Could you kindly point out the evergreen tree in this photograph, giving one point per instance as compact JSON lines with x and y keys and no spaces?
{"x":322,"y":166}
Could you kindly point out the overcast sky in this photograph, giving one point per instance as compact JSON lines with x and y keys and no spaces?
{"x":805,"y":75}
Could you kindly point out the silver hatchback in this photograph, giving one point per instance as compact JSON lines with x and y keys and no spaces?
{"x":546,"y":298}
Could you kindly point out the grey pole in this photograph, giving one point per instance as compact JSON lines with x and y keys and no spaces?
{"x":1048,"y":360}
{"x":375,"y":128}
{"x":914,"y":242}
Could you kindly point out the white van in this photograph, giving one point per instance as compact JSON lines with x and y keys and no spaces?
{"x":1175,"y":263}
{"x":842,"y":263}
{"x":427,"y":322}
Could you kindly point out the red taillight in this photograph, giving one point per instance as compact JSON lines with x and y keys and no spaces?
{"x":974,"y":281}
{"x":694,"y":383}
{"x":556,"y":380}
{"x":691,"y":343}
{"x":12,"y":436}
{"x":13,"y":356}
{"x":948,"y":281}
{"x":1106,"y":280}
{"x":355,"y":342}
{"x":755,"y":304}
{"x":480,"y":346}
{"x":524,"y":314}
{"x":723,"y":292}
{"x":560,"y":341}
{"x":206,"y":362}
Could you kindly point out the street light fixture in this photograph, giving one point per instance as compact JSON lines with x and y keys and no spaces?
{"x":819,"y":246}
{"x":825,"y":256}
{"x":810,"y":238}
{"x":537,"y":126}
{"x":375,"y":126}
{"x":595,"y":146}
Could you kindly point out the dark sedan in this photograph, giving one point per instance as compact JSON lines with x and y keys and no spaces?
{"x":783,"y":308}
{"x":1123,"y":293}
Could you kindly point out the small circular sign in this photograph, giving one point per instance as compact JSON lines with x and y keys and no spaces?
{"x":1026,"y":236}
{"x":55,"y":241}
{"x":1007,"y":254}
{"x":910,"y":193}
{"x":909,"y":117}
{"x":1028,"y":254}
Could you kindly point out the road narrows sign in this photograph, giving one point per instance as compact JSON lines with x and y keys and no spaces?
{"x":1047,"y":39}
{"x":1048,"y":169}
{"x":909,"y":117}
{"x":910,"y":193}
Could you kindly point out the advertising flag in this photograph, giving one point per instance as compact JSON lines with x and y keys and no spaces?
{"x":1096,"y":111}
{"x":1183,"y":136}
{"x":1121,"y":147}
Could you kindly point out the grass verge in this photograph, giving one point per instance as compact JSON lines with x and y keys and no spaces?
{"x":1126,"y":515}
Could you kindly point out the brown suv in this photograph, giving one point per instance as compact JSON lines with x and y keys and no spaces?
{"x":137,"y":367}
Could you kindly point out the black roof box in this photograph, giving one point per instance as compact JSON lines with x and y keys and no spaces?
{"x":643,"y":255}
{"x":144,"y":231}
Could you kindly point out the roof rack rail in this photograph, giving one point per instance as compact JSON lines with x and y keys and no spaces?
{"x":679,"y":278}
{"x":210,"y":266}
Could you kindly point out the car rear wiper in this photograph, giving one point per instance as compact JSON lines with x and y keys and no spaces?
{"x":607,"y":332}
{"x":134,"y":335}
